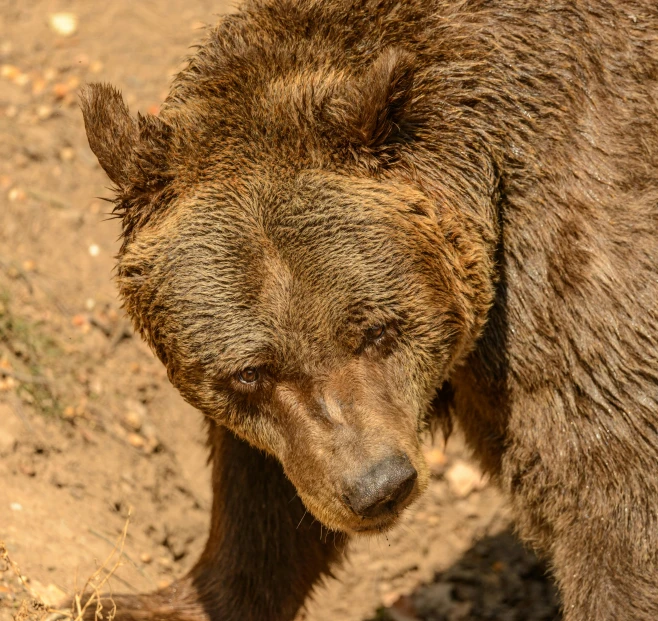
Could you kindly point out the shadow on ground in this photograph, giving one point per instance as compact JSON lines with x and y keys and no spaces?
{"x":497,"y":579}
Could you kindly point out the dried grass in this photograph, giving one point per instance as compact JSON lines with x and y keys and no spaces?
{"x":95,"y":591}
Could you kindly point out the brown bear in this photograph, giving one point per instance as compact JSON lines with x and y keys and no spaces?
{"x":353,"y":217}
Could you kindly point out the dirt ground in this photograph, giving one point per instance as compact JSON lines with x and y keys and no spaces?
{"x":90,"y":430}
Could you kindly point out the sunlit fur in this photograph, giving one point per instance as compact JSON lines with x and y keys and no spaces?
{"x":479,"y":177}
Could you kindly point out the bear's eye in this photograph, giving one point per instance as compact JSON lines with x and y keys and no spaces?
{"x":248,"y":375}
{"x":374,"y":334}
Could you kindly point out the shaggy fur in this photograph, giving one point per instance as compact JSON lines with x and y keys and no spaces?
{"x":479,"y":180}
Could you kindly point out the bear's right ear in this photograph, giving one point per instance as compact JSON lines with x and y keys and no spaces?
{"x":373,"y":109}
{"x":112,"y":133}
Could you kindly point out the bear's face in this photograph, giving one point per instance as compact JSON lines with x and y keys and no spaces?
{"x":299,"y":283}
{"x":304,"y":314}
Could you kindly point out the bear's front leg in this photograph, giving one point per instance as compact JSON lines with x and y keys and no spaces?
{"x":598,"y":581}
{"x":587,"y":498}
{"x":263,"y":555}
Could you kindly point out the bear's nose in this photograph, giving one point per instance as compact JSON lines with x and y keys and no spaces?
{"x":382,"y":488}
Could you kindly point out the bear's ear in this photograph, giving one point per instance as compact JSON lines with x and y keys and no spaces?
{"x":133,"y":152}
{"x":374,"y":108}
{"x":112,"y":133}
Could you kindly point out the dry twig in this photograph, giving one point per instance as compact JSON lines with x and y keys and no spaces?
{"x":33,"y":609}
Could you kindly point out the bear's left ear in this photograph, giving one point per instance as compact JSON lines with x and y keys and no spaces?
{"x":132,"y":151}
{"x":374,"y":107}
{"x":112,"y":133}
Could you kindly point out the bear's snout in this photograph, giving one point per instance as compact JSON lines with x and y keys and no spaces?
{"x":382,"y":489}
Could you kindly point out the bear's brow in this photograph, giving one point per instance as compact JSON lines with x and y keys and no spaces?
{"x":240,"y":356}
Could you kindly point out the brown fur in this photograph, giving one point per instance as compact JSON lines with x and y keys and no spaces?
{"x":479,"y":177}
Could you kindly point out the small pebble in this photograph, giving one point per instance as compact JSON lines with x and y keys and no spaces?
{"x":146,"y":558}
{"x":60,"y":90}
{"x":67,"y":154}
{"x":38,"y":86}
{"x":79,"y":320}
{"x":96,"y":386}
{"x":133,"y":420}
{"x":7,"y":384}
{"x":136,"y":440}
{"x":16,"y":506}
{"x":44,"y":112}
{"x":463,"y":478}
{"x":16,"y":194}
{"x":436,"y":460}
{"x":63,"y":24}
{"x":94,"y":250}
{"x":9,"y":72}
{"x":389,"y":598}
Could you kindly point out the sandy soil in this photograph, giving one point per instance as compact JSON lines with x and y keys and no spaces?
{"x":90,"y":430}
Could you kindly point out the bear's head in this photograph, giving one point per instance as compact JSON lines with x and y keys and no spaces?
{"x":289,"y":267}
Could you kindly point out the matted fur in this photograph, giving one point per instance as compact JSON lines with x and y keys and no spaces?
{"x":479,"y":177}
